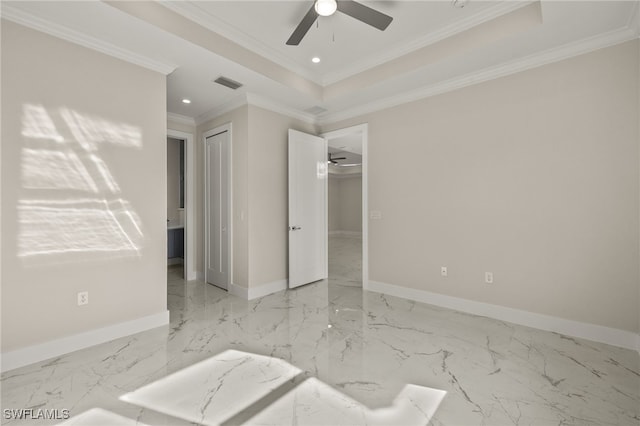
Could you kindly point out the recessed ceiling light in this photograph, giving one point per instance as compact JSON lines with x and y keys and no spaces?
{"x":186,"y":101}
{"x":315,"y":59}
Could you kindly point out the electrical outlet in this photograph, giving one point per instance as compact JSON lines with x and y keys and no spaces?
{"x":443,"y":271}
{"x":83,"y":298}
{"x":488,"y":277}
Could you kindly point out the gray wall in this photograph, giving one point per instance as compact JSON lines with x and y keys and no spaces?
{"x":345,"y":203}
{"x":333,"y":198}
{"x":83,"y":189}
{"x":534,"y":177}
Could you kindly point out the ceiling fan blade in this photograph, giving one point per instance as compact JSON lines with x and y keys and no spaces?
{"x":365,"y":14}
{"x":303,"y":27}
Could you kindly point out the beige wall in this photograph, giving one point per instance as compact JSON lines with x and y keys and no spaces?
{"x":83,"y":167}
{"x":333,"y":198}
{"x":345,"y":203}
{"x":181,"y":127}
{"x":173,"y":179}
{"x":534,"y":177}
{"x":351,"y":204}
{"x":239,"y":152}
{"x":268,"y":193}
{"x":259,"y":151}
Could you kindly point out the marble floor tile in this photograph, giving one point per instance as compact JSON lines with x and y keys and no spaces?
{"x":216,"y":389}
{"x":316,"y":403}
{"x":365,"y":346}
{"x":98,"y":416}
{"x":345,"y":259}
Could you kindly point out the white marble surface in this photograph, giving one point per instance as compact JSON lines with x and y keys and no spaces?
{"x":100,"y":417}
{"x":316,"y":403}
{"x":345,"y":259}
{"x":493,"y":373}
{"x":215,"y":389}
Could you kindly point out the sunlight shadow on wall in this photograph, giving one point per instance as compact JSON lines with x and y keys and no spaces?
{"x":37,"y":124}
{"x":90,"y":228}
{"x":71,"y":208}
{"x":89,"y":132}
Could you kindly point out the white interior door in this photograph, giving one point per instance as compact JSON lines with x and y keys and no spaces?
{"x":307,"y":208}
{"x":217,"y":187}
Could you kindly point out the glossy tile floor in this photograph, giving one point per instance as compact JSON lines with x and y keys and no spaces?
{"x":364,"y":345}
{"x":345,"y":260}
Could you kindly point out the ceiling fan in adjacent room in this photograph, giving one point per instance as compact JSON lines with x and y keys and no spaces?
{"x":334,"y":160}
{"x":349,"y":7}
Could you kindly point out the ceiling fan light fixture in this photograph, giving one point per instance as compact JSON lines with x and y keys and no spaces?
{"x":326,"y":7}
{"x":459,"y":4}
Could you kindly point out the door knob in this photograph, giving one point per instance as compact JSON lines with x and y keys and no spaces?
{"x":294,"y":228}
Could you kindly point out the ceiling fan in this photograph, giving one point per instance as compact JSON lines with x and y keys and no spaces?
{"x":349,"y":7}
{"x":334,"y":160}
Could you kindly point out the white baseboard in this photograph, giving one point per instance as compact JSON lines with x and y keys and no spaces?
{"x":236,"y":290}
{"x":266,"y":289}
{"x":64,"y":345}
{"x":258,"y":291}
{"x":598,"y":333}
{"x":199,"y":275}
{"x":352,"y":234}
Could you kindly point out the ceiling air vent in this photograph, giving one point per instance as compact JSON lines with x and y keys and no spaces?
{"x":316,"y":110}
{"x":227,"y":82}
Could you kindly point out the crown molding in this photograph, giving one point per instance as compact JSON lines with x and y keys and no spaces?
{"x":268,"y":104}
{"x":224,"y":108}
{"x":257,"y":101}
{"x":549,"y":56}
{"x":433,"y":37}
{"x":21,"y":17}
{"x":179,"y":118}
{"x":191,"y":11}
{"x":634,"y":18}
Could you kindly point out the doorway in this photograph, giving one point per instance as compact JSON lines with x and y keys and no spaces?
{"x":180,"y":202}
{"x":347,"y":205}
{"x":218,"y":218}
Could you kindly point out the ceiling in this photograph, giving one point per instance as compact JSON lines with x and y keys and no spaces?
{"x":430,"y":47}
{"x":350,"y":158}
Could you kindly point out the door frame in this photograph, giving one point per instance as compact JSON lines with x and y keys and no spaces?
{"x":190,"y":272}
{"x":363,"y":129}
{"x":227,"y":127}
